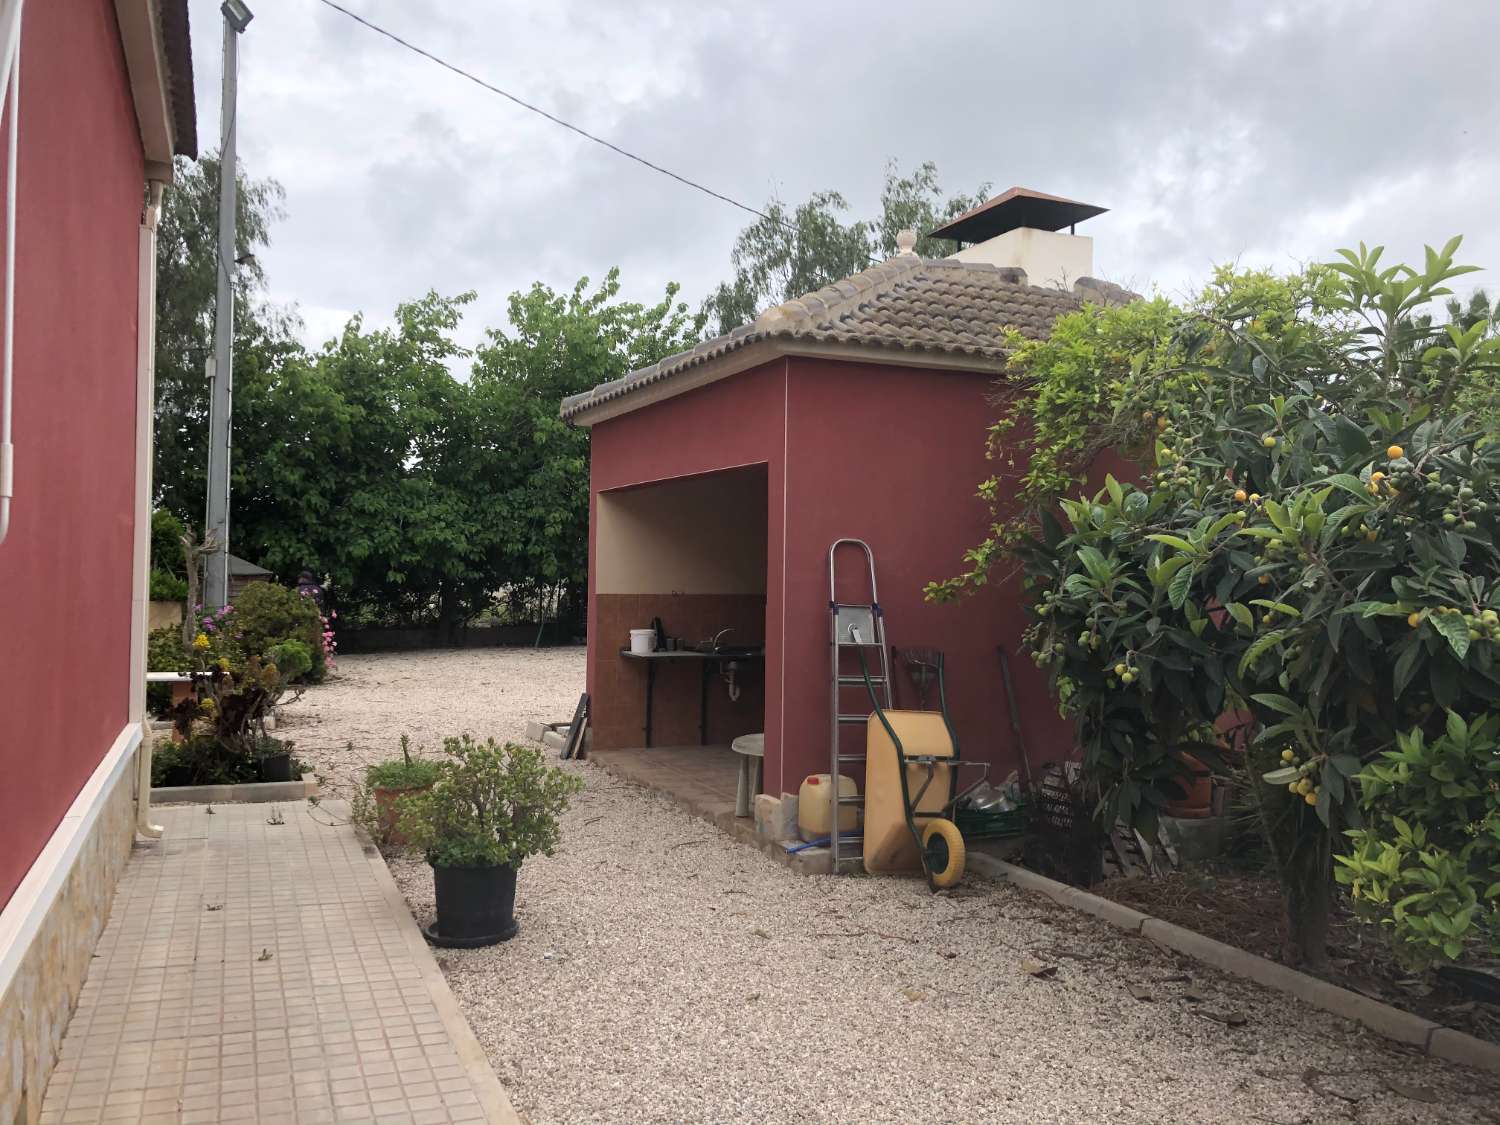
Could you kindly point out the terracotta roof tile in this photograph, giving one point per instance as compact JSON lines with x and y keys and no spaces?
{"x":938,"y":306}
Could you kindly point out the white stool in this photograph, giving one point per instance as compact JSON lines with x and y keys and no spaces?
{"x":752,"y":751}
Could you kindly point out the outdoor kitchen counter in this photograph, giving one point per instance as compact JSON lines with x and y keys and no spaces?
{"x":708,"y":661}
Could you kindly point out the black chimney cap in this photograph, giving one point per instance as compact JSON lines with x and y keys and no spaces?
{"x":1018,"y":207}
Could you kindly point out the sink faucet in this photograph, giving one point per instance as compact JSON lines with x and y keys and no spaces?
{"x":714,"y":644}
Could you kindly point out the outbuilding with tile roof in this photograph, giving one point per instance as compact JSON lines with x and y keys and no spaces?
{"x":722,"y":475}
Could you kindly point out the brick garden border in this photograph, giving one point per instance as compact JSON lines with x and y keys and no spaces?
{"x":1431,"y":1038}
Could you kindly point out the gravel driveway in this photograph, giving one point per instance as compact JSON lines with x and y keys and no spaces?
{"x":665,"y":974}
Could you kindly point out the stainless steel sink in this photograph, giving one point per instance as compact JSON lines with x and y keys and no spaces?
{"x":735,"y":652}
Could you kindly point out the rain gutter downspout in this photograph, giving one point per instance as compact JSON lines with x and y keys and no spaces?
{"x":145,"y":402}
{"x":10,"y":67}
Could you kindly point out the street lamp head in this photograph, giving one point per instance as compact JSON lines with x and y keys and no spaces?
{"x":238,"y":13}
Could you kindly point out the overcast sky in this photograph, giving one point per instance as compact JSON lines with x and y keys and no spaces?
{"x":1263,"y":133}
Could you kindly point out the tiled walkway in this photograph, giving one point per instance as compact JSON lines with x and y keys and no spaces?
{"x":259,"y":965}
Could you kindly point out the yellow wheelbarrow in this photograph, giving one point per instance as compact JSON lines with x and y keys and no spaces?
{"x":911,"y":787}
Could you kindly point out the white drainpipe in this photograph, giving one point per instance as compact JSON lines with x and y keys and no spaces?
{"x":145,"y":402}
{"x":10,"y":66}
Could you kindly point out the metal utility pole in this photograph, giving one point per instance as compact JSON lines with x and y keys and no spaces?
{"x":221,"y":385}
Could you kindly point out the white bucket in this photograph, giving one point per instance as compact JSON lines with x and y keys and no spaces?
{"x":642,"y":641}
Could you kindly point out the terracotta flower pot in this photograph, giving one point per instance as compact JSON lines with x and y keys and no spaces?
{"x":388,"y":816}
{"x":1198,"y":801}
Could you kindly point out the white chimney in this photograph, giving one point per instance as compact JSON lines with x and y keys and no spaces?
{"x":1024,"y":229}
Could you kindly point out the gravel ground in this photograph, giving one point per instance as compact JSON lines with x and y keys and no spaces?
{"x":665,"y":974}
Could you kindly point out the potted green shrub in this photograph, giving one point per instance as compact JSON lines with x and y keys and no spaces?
{"x":388,"y":782}
{"x":489,"y":808}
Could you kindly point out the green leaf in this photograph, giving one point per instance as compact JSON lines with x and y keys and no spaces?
{"x":1350,"y":483}
{"x":1094,"y":562}
{"x":1168,"y":569}
{"x":1454,"y":629}
{"x":1116,"y":493}
{"x":1261,"y":645}
{"x":1241,"y":614}
{"x":1277,"y":703}
{"x":1279,"y":607}
{"x":1173,"y":541}
{"x":1283,"y":776}
{"x":1325,"y":805}
{"x":1177,"y":592}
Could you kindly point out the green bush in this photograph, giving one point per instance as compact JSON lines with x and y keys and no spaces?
{"x":405,"y":772}
{"x":292,"y":659}
{"x":1313,"y":542}
{"x":167,"y":587}
{"x":166,"y":545}
{"x":490,"y":806}
{"x":1426,"y":865}
{"x":200,"y":759}
{"x":267,"y":614}
{"x":164,"y":653}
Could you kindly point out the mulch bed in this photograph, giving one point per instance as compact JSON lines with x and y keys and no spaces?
{"x":1245,"y":911}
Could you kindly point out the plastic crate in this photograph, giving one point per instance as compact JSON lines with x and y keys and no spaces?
{"x":981,"y":824}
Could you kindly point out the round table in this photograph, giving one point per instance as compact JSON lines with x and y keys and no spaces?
{"x":752,"y":751}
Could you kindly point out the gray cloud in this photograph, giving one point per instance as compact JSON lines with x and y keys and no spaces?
{"x":1268,"y":134}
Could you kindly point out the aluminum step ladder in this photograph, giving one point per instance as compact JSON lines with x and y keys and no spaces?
{"x":856,"y":628}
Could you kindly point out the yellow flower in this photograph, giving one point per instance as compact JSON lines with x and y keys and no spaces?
{"x":223,"y":662}
{"x":200,"y":641}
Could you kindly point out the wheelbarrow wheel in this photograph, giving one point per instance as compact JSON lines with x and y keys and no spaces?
{"x":943,"y":848}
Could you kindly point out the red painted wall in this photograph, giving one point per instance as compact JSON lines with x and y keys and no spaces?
{"x":65,"y":569}
{"x":737,"y":421}
{"x":891,"y":455}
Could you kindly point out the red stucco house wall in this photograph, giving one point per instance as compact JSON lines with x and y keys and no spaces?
{"x":890,"y":454}
{"x":66,"y":567}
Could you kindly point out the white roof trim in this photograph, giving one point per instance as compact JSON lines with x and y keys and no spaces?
{"x":150,"y":82}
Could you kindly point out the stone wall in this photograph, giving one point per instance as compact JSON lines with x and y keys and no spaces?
{"x":34,"y":1010}
{"x":162,"y":614}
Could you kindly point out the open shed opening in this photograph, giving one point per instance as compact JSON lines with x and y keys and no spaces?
{"x":690,"y":552}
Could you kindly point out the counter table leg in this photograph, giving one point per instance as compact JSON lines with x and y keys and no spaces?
{"x":650,"y":694}
{"x":703,"y":708}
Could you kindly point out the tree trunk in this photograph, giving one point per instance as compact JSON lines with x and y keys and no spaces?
{"x":447,"y":615}
{"x":1308,"y":902}
{"x":1300,"y":847}
{"x":193,"y":554}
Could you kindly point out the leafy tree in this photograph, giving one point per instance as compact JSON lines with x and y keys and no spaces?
{"x":1312,"y":549}
{"x":557,"y":344}
{"x":339,"y":468}
{"x":795,"y":250}
{"x":422,"y":496}
{"x":186,"y":287}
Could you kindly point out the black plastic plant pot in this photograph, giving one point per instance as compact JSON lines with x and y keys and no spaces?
{"x":475,"y":906}
{"x":277,"y":767}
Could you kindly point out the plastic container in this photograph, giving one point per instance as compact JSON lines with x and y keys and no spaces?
{"x":642,"y":641}
{"x":814,"y":801}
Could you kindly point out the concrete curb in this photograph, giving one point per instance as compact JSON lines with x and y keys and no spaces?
{"x":248,"y":792}
{"x":1431,"y":1038}
{"x":492,"y":1096}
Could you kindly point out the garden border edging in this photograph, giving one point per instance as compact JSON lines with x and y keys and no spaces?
{"x":1432,"y":1038}
{"x":247,"y":792}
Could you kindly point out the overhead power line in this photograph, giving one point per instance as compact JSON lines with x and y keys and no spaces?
{"x":552,"y":117}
